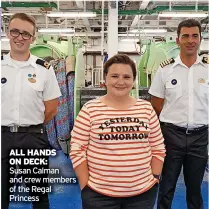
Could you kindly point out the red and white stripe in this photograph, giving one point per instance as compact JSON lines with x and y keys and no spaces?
{"x":117,"y":167}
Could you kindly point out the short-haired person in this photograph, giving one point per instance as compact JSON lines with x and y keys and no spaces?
{"x":29,"y":99}
{"x":180,"y":96}
{"x":117,"y":147}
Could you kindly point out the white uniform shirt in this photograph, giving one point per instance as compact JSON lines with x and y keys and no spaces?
{"x":25,"y":86}
{"x":185,"y":92}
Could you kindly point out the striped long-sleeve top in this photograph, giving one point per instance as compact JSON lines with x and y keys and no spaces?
{"x":118,"y":146}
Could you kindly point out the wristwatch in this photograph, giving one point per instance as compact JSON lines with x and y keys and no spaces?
{"x":156,"y":176}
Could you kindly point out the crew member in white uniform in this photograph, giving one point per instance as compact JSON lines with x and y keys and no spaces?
{"x":180,"y":96}
{"x":29,"y":99}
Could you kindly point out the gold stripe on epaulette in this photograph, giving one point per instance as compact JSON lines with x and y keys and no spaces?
{"x":167,"y":62}
{"x":43,"y":63}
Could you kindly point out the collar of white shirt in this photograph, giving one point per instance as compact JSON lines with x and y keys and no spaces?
{"x":179,"y":62}
{"x":11,"y":62}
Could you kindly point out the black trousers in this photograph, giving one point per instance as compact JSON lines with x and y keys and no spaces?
{"x":22,"y":141}
{"x":187,"y":150}
{"x":95,"y":200}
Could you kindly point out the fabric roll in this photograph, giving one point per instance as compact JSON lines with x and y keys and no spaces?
{"x":70,"y":85}
{"x":62,"y":117}
{"x":52,"y":135}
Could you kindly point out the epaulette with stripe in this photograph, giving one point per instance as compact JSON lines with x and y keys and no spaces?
{"x":167,"y":62}
{"x":43,"y":63}
{"x":205,"y":60}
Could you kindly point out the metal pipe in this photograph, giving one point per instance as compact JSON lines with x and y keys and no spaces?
{"x":46,"y":18}
{"x":58,"y":5}
{"x":84,"y":5}
{"x":196,"y":6}
{"x":102,"y":43}
{"x":65,"y":22}
{"x":170,"y":6}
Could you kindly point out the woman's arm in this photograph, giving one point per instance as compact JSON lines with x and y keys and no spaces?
{"x":156,"y":141}
{"x":82,"y":174}
{"x":79,"y":144}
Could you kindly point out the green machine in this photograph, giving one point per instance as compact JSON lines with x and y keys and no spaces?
{"x":69,"y":49}
{"x":59,"y":47}
{"x":53,"y":46}
{"x":156,"y":52}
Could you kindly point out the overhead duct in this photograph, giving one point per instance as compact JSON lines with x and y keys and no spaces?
{"x":156,"y":10}
{"x":29,"y":4}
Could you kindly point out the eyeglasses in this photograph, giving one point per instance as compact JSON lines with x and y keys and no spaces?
{"x":25,"y":35}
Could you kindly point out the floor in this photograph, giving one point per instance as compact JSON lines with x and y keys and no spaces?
{"x":67,"y":196}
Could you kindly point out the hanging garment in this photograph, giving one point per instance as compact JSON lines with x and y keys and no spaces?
{"x":70,"y":64}
{"x":51,"y":126}
{"x":58,"y":128}
{"x":52,"y":135}
{"x":70,"y":85}
{"x":48,"y":59}
{"x":62,"y":117}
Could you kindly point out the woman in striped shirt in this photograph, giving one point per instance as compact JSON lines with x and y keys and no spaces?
{"x":117,"y":147}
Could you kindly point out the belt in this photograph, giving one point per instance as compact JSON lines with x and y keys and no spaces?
{"x":186,"y":130}
{"x":20,"y":129}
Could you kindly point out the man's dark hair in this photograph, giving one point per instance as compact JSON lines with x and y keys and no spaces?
{"x":188,"y":23}
{"x":24,"y":17}
{"x":120,"y":59}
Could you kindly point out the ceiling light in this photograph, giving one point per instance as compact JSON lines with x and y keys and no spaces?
{"x":3,"y":34}
{"x":29,"y":13}
{"x":134,"y":31}
{"x":72,"y":14}
{"x":7,"y":14}
{"x":127,"y":35}
{"x":4,"y":40}
{"x":153,"y":31}
{"x":132,"y":35}
{"x":66,"y":34}
{"x":129,"y":40}
{"x":56,"y":30}
{"x":149,"y":31}
{"x":183,"y":14}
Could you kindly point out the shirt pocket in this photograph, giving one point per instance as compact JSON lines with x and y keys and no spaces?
{"x":173,"y":91}
{"x":204,"y":89}
{"x":36,"y":89}
{"x":36,"y":86}
{"x":3,"y":85}
{"x":4,"y":90}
